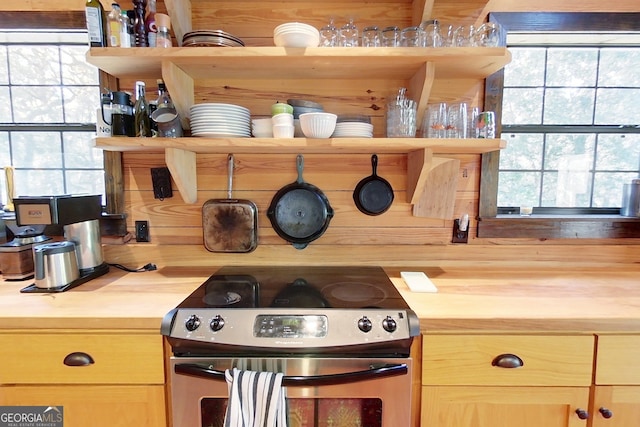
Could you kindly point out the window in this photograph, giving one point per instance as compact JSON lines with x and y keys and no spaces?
{"x":47,"y":115}
{"x":570,"y":120}
{"x":588,"y":219}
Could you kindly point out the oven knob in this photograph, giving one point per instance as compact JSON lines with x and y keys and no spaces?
{"x":192,"y":323}
{"x":217,"y":323}
{"x":364,"y":324}
{"x":389,"y":324}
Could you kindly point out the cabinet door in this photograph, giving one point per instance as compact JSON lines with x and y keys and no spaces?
{"x":623,"y":402}
{"x":456,"y":406}
{"x":95,"y":406}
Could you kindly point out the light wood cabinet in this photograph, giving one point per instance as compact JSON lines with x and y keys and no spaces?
{"x":616,"y":398}
{"x":107,"y":378}
{"x":543,"y":380}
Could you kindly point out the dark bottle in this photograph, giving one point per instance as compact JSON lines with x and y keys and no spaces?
{"x":131,"y":14}
{"x":141,"y":112}
{"x":150,"y":24}
{"x":139,"y":29}
{"x":96,"y":23}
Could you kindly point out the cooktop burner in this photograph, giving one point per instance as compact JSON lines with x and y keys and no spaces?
{"x":297,"y":287}
{"x":299,"y":309}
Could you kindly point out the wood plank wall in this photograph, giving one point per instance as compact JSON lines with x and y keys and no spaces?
{"x":395,"y":238}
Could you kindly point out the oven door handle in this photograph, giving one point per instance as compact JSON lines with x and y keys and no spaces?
{"x":384,"y":371}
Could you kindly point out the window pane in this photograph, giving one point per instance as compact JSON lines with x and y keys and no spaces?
{"x":520,"y":72}
{"x":4,"y":67}
{"x":5,"y":157}
{"x":570,"y":187}
{"x":569,"y":151}
{"x":79,"y":152}
{"x":75,"y":69}
{"x":524,"y":151}
{"x":81,"y":103}
{"x":34,"y":65}
{"x":618,"y":107}
{"x":5,"y":107}
{"x":85,"y":182}
{"x":607,"y":191}
{"x":582,"y":72}
{"x":36,"y":150}
{"x":522,"y":106}
{"x":568,"y":106}
{"x":618,"y":152}
{"x":32,"y":182}
{"x":619,"y":67}
{"x":34,"y":104}
{"x":519,"y":189}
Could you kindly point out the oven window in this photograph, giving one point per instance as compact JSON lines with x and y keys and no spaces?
{"x":309,"y":412}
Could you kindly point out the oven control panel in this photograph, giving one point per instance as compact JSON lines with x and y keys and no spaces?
{"x":299,"y":329}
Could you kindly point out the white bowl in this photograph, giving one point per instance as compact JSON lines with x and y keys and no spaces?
{"x":283,"y":131}
{"x":282,"y":119}
{"x":318,"y":125}
{"x":296,"y":34}
{"x":262,"y":127}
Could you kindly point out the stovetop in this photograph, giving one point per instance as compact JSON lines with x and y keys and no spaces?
{"x":293,"y":309}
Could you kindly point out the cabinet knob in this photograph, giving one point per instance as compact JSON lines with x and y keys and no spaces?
{"x":582,"y":414}
{"x":78,"y":358}
{"x":606,"y":413}
{"x":507,"y":360}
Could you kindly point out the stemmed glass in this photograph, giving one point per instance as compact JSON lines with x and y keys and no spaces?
{"x":349,"y":34}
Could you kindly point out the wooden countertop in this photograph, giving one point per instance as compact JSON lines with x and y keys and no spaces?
{"x":468,"y":300}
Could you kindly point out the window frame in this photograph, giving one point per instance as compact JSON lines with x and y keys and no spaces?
{"x":114,"y":218}
{"x":570,"y":226}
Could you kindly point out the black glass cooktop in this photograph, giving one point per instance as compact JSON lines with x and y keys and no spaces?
{"x":297,"y":287}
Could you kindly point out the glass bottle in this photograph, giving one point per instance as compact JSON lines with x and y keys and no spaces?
{"x":141,"y":112}
{"x":131,"y":14}
{"x":96,"y":23}
{"x":125,"y":24}
{"x":164,"y":24}
{"x":164,"y":100}
{"x":150,"y":24}
{"x":115,"y":25}
{"x":138,"y":24}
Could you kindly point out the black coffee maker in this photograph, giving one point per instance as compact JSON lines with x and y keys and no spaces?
{"x":122,"y":120}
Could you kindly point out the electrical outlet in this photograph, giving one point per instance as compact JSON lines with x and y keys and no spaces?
{"x":142,"y":231}
{"x":458,"y":235}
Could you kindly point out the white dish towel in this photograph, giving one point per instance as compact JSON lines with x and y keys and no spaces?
{"x":256,"y":399}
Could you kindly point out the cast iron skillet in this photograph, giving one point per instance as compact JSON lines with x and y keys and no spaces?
{"x":300,"y":212}
{"x":373,"y":195}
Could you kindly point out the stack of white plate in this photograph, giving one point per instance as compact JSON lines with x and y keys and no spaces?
{"x":353,"y":130}
{"x":296,"y":34}
{"x":214,"y":120}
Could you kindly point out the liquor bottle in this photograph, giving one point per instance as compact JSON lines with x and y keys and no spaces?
{"x":138,"y":24}
{"x":150,"y":24}
{"x":115,"y":25}
{"x":141,"y":112}
{"x":125,"y":25}
{"x":96,"y":23}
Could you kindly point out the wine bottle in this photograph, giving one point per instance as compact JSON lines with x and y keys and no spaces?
{"x":96,"y":23}
{"x":141,"y":111}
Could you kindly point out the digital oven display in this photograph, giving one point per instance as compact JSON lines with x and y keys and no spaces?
{"x":290,"y":326}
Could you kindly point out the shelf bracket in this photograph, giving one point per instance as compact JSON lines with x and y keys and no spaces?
{"x":180,"y":13}
{"x":431,"y":184}
{"x":422,"y":10}
{"x":420,"y":88}
{"x":181,"y":88}
{"x":182,"y":165}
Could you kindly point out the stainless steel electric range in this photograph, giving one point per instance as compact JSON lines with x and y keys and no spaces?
{"x":340,"y":335}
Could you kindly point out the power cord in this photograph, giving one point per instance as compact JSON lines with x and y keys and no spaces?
{"x":147,"y":267}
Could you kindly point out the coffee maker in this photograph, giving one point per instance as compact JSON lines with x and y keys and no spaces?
{"x":64,"y":265}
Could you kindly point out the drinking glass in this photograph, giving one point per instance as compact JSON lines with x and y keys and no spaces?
{"x":464,"y":36}
{"x":391,"y":37}
{"x":371,"y":37}
{"x":401,"y":118}
{"x":431,"y":36}
{"x":434,"y":124}
{"x":349,"y":34}
{"x":489,"y":34}
{"x":329,"y":35}
{"x":411,"y":37}
{"x":457,"y":120}
{"x":486,"y":125}
{"x":472,"y":119}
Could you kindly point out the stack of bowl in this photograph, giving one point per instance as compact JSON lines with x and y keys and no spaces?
{"x":296,"y":34}
{"x":302,"y":106}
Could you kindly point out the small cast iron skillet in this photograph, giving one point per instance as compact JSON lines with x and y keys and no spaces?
{"x":300,"y":212}
{"x":373,"y":195}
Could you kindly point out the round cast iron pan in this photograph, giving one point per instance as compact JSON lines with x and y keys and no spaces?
{"x":300,"y":212}
{"x":373,"y":195}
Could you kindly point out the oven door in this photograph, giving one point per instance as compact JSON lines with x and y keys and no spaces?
{"x":321,"y":392}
